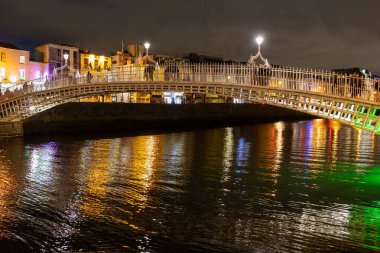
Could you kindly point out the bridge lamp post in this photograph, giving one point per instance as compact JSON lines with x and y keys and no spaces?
{"x":147,"y":46}
{"x":259,"y":41}
{"x":66,"y":57}
{"x":251,"y":61}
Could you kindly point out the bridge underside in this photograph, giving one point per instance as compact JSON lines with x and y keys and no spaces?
{"x":348,"y":111}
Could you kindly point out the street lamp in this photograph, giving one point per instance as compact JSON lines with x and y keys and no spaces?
{"x":259,"y":41}
{"x":147,"y":46}
{"x":66,"y":57}
{"x":252,"y":59}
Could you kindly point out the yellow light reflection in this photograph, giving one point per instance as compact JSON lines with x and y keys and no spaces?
{"x":333,"y":140}
{"x":227,"y":153}
{"x":279,"y":127}
{"x":97,"y":178}
{"x":277,"y":151}
{"x":143,"y":164}
{"x":7,"y":191}
{"x":319,"y":137}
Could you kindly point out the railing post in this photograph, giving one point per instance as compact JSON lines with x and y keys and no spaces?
{"x":345,"y":86}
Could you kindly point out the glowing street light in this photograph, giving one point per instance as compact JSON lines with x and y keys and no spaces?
{"x":66,"y":57}
{"x":147,"y":46}
{"x":259,"y":41}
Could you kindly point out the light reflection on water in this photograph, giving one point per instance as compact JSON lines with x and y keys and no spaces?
{"x":7,"y":188}
{"x":284,"y":186}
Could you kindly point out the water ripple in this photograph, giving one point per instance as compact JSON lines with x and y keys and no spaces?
{"x":275,"y":187}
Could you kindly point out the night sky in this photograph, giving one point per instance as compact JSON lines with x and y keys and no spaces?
{"x":321,"y":34}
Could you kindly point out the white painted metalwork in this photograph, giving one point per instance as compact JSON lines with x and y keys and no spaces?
{"x":252,"y":59}
{"x":348,"y":99}
{"x":66,"y":66}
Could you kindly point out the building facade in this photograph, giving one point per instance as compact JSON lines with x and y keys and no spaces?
{"x":93,"y":62}
{"x":53,"y":55}
{"x":119,"y":59}
{"x":16,"y":66}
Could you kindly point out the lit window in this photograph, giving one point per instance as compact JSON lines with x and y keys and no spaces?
{"x":2,"y":72}
{"x":22,"y":74}
{"x":3,"y":57}
{"x":22,"y":59}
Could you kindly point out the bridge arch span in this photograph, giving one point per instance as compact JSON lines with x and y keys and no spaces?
{"x":322,"y":94}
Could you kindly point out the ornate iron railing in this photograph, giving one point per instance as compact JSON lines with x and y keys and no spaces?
{"x":323,"y":82}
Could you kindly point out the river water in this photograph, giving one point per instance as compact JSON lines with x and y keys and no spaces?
{"x":274,"y":187}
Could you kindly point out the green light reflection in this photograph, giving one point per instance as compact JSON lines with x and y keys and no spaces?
{"x":364,"y":225}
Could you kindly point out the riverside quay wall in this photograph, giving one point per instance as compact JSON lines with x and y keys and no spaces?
{"x":105,"y":117}
{"x":11,"y":129}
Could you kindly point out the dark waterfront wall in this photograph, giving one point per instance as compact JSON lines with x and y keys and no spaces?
{"x":95,"y":117}
{"x":11,"y":129}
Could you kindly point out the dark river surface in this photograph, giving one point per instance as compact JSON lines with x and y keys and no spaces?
{"x":309,"y":186}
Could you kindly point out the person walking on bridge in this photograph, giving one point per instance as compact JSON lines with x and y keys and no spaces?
{"x":2,"y":97}
{"x":8,"y":94}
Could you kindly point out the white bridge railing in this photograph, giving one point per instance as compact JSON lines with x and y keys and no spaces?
{"x":324,"y":82}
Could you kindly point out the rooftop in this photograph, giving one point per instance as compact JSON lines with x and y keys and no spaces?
{"x":7,"y":45}
{"x":59,"y":44}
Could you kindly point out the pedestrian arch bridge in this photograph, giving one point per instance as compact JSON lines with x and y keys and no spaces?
{"x":349,"y":99}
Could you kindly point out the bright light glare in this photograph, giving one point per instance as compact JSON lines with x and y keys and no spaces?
{"x":147,"y":45}
{"x":32,"y":108}
{"x":66,"y":57}
{"x":259,"y":40}
{"x":13,"y":79}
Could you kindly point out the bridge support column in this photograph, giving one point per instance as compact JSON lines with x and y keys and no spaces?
{"x":11,"y":129}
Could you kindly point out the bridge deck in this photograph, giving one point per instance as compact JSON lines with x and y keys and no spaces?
{"x":351,"y":100}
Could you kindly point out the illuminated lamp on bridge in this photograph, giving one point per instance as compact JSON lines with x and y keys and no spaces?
{"x":147,"y":46}
{"x":66,"y":66}
{"x":146,"y":58}
{"x":252,"y":59}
